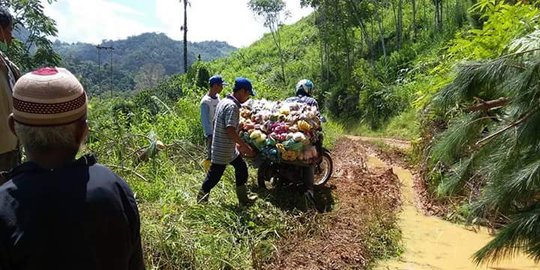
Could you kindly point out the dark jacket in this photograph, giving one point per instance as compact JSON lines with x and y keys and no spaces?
{"x":81,"y":216}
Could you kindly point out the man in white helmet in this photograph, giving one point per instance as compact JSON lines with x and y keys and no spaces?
{"x":303,"y":91}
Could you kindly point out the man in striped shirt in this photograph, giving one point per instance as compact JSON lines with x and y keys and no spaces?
{"x":227,"y":144}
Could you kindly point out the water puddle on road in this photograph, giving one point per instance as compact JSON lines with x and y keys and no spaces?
{"x":432,"y":243}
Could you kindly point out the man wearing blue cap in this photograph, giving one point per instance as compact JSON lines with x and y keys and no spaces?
{"x":227,"y":144}
{"x":208,"y":105}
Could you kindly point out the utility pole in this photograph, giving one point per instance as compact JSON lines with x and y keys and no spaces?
{"x":110,"y":49}
{"x":184,"y":28}
{"x":99,"y":67}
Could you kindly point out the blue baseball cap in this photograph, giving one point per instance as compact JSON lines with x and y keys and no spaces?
{"x":216,"y":79}
{"x":243,"y":83}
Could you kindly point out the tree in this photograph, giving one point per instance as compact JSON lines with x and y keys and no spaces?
{"x":493,"y":140}
{"x":272,"y":12}
{"x":438,"y":14}
{"x":34,"y":49}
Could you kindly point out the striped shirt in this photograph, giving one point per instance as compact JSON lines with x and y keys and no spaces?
{"x":227,"y":115}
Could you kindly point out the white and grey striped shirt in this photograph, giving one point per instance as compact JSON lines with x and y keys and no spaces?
{"x":227,"y":115}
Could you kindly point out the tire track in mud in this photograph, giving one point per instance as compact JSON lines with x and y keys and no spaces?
{"x":344,"y":238}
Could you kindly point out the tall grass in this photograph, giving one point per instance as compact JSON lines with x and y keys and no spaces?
{"x":178,"y":233}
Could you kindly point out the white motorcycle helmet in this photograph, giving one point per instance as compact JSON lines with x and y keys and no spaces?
{"x":304,"y":87}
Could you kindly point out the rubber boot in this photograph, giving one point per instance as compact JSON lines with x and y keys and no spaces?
{"x":243,"y":197}
{"x":202,"y":197}
{"x":310,"y":197}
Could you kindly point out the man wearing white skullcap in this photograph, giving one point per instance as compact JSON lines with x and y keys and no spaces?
{"x":56,"y":211}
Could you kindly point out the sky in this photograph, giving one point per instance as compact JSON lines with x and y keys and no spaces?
{"x":92,"y":21}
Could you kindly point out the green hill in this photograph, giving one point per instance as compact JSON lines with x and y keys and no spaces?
{"x":145,"y":53}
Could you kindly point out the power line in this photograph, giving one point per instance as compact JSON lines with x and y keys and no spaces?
{"x":110,"y":49}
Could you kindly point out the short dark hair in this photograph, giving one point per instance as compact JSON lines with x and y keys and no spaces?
{"x":5,"y":17}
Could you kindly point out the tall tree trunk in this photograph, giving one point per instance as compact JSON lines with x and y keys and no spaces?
{"x":413,"y":2}
{"x":185,"y":36}
{"x":277,"y":41}
{"x":438,"y":15}
{"x":347,"y":43}
{"x":365,"y":33}
{"x":399,"y":24}
{"x":381,"y":30}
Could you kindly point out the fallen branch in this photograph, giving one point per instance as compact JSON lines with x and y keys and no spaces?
{"x":515,"y":123}
{"x":488,"y":105}
{"x":129,"y":170}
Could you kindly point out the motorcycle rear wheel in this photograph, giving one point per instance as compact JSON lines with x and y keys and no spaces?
{"x":323,"y":170}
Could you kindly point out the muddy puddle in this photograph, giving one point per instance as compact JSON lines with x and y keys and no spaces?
{"x":432,"y":243}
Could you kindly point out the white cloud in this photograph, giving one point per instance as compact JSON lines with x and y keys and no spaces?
{"x":95,"y":20}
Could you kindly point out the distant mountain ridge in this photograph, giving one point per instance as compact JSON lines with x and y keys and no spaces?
{"x":154,"y":52}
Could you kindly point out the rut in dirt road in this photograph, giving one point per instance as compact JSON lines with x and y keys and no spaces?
{"x":360,"y":227}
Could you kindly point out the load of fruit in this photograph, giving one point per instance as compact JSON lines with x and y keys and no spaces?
{"x":281,"y":130}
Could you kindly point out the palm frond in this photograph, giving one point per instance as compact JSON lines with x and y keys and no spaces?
{"x":529,"y":44}
{"x":528,"y":133}
{"x":457,"y":138}
{"x":496,"y":144}
{"x":460,"y":173}
{"x":523,"y":88}
{"x":523,"y":233}
{"x":515,"y":188}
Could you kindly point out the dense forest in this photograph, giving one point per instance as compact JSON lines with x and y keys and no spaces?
{"x":459,"y":78}
{"x":138,"y":62}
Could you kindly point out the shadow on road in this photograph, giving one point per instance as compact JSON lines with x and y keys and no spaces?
{"x":291,"y":197}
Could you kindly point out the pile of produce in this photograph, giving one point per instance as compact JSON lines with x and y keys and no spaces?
{"x":281,"y":131}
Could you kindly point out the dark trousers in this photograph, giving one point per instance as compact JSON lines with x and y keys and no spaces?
{"x":209,"y":148}
{"x":308,"y":174}
{"x":216,"y":171}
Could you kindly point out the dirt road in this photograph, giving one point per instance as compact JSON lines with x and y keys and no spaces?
{"x":346,"y":237}
{"x":372,"y":186}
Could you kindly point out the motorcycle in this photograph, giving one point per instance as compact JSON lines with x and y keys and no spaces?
{"x":272,"y":174}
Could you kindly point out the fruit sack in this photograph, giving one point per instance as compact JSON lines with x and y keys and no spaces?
{"x":281,"y":130}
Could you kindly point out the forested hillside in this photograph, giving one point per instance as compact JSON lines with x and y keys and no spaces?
{"x":138,"y":62}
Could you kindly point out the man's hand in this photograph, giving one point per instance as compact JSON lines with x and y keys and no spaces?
{"x":246,"y":150}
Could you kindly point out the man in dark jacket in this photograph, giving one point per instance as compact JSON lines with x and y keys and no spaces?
{"x":58,"y":212}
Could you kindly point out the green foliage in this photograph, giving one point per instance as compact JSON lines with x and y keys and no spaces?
{"x":34,"y":28}
{"x":504,"y":22}
{"x":492,"y":142}
{"x":379,"y":106}
{"x":261,"y":62}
